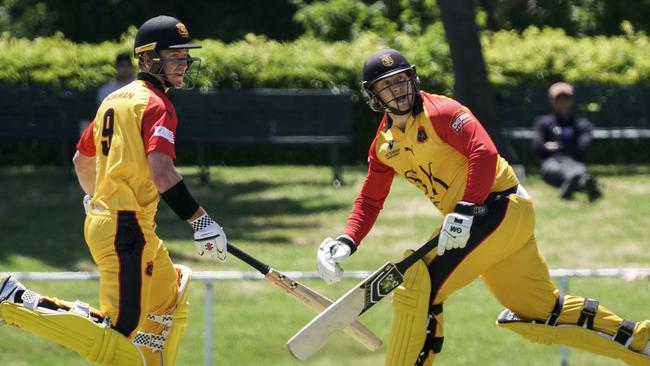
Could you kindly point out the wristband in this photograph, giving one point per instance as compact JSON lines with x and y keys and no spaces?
{"x":470,"y":209}
{"x":202,"y":222}
{"x":179,"y":199}
{"x":347,"y":241}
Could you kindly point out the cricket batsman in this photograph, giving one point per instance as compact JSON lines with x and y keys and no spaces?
{"x":438,"y":145}
{"x":125,"y":164}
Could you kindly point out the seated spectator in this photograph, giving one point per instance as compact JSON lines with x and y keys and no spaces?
{"x":560,"y":140}
{"x":125,"y":75}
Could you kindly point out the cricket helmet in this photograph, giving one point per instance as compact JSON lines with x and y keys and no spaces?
{"x":383,"y":64}
{"x":164,"y":33}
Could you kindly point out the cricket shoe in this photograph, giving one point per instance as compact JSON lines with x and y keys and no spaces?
{"x":9,"y":287}
{"x":569,"y":187}
{"x":13,"y":291}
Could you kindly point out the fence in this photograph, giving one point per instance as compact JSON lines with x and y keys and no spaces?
{"x":208,"y":277}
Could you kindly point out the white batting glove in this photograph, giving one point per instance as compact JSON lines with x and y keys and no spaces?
{"x":455,"y":232}
{"x":209,"y":238}
{"x":86,"y":202}
{"x":457,"y":225}
{"x":330,"y":253}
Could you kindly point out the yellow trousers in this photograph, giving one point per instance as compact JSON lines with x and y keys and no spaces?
{"x":503,"y":250}
{"x":137,"y":276}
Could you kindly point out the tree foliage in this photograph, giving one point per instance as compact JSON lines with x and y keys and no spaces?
{"x":96,"y":21}
{"x":576,"y":17}
{"x":286,"y":20}
{"x":535,"y":56}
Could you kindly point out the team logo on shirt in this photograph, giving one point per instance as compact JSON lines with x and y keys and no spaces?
{"x":387,"y":60}
{"x":422,"y":134}
{"x":182,"y":30}
{"x":459,"y":118}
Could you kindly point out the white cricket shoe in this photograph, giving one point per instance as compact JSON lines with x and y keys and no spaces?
{"x":8,"y":288}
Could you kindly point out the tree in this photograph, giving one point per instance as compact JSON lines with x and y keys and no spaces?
{"x":107,"y":20}
{"x":471,"y":85}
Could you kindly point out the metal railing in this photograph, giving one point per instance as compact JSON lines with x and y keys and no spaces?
{"x":208,"y":277}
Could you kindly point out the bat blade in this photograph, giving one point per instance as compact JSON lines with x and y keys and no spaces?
{"x":307,"y":296}
{"x":313,"y":336}
{"x":318,"y":302}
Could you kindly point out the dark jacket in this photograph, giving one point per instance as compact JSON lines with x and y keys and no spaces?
{"x":573,"y":135}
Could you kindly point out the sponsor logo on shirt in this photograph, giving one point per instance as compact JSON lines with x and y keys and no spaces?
{"x":391,"y":153}
{"x":165,"y":133}
{"x":459,"y":118}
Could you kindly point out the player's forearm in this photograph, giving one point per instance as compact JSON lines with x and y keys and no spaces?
{"x":165,"y":180}
{"x":84,"y":167}
{"x":370,"y":201}
{"x":163,"y":172}
{"x":172,"y":190}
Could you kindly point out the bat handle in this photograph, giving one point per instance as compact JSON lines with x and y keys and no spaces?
{"x":260,"y":266}
{"x":419,"y":253}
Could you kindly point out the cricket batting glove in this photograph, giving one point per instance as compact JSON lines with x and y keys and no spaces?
{"x":332,"y":252}
{"x":457,"y":225}
{"x":209,"y":238}
{"x":86,"y":203}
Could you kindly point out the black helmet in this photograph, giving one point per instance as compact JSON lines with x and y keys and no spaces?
{"x":161,"y":33}
{"x":165,"y":33}
{"x":380,"y":65}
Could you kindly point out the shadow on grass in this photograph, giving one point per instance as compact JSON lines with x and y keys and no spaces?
{"x":41,"y":216}
{"x":605,"y":170}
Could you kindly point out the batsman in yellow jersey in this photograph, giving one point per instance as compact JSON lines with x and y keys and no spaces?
{"x":439,"y":146}
{"x":125,"y":163}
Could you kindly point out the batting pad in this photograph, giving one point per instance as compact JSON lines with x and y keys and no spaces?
{"x":96,"y":343}
{"x":571,"y":335}
{"x":179,"y":321}
{"x":410,"y":312}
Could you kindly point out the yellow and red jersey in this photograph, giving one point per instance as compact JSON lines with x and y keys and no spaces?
{"x":444,"y":151}
{"x":130,"y":123}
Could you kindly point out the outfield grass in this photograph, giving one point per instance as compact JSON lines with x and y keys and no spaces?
{"x":280,"y":214}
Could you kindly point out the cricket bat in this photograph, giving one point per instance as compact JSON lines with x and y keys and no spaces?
{"x":307,"y":296}
{"x":344,"y":311}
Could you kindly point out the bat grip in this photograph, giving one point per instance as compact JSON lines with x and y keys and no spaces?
{"x":418,"y":254}
{"x":260,"y":266}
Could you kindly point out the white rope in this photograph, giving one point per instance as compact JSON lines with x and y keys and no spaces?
{"x":624,"y":273}
{"x":627,"y":274}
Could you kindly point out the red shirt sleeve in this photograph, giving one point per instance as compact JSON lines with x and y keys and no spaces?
{"x":86,"y":143}
{"x":457,"y":126}
{"x":371,"y":199}
{"x":159,"y":128}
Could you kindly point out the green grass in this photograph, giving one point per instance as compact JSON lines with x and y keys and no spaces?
{"x":280,"y":214}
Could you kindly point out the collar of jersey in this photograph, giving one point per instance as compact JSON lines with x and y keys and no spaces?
{"x":418,"y":107}
{"x":152,"y":80}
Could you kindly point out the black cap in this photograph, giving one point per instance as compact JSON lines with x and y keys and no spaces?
{"x":161,"y":33}
{"x":382,"y":64}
